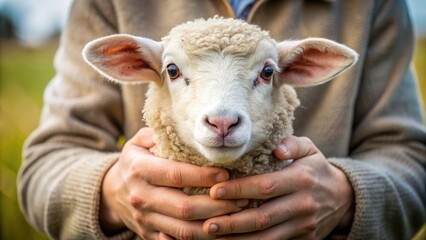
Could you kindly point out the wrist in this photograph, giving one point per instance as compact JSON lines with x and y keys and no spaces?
{"x":348,"y":195}
{"x":345,"y":223}
{"x":109,"y":221}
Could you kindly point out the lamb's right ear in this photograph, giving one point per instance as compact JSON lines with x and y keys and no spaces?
{"x":125,"y":59}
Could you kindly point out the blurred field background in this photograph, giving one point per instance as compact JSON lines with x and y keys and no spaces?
{"x":24,"y":72}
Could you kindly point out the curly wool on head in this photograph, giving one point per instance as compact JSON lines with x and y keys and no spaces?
{"x":218,"y":34}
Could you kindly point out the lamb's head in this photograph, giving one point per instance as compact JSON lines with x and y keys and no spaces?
{"x":218,"y":79}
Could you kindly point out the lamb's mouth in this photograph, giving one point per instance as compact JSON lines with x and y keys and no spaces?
{"x":223,"y":145}
{"x":223,"y":154}
{"x":221,"y":150}
{"x":225,"y":148}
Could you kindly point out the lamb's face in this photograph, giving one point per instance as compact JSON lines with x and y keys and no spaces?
{"x":221,"y":102}
{"x":217,"y":77}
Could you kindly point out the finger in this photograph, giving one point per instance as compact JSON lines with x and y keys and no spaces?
{"x":164,"y":172}
{"x":255,"y":219}
{"x":176,"y":228}
{"x":145,"y":138}
{"x":292,"y":147}
{"x":175,"y":203}
{"x":164,"y":236}
{"x":287,"y":230}
{"x":262,"y":186}
{"x":133,"y":222}
{"x":275,"y":232}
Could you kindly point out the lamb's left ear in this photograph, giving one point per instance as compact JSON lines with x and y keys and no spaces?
{"x":125,"y":58}
{"x":313,"y":61}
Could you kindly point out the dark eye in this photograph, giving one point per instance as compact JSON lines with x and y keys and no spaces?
{"x":173,"y":71}
{"x":267,"y":73}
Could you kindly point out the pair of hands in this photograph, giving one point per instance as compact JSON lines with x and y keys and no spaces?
{"x":308,"y":199}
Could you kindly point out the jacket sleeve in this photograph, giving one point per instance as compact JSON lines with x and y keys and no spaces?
{"x":386,"y":166}
{"x":65,"y":159}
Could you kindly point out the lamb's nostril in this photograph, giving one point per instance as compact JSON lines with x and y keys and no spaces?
{"x":235,"y":123}
{"x":222,"y":124}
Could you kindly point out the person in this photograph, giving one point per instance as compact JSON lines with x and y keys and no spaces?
{"x":359,"y":172}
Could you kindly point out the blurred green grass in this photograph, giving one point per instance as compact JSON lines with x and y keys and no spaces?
{"x":420,"y":67}
{"x":24,"y":73}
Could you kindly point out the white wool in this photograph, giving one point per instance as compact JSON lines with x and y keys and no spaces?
{"x":219,"y":64}
{"x":190,"y":44}
{"x":230,"y":36}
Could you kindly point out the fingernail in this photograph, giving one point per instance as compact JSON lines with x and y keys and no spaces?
{"x":220,"y":192}
{"x":220,"y":177}
{"x":213,"y":228}
{"x":283,"y":148}
{"x":242,"y":203}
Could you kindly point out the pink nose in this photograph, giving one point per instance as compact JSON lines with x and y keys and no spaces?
{"x":222,"y":124}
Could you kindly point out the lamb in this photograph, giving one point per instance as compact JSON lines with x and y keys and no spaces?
{"x":221,"y":90}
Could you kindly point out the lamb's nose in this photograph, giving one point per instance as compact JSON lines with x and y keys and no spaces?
{"x":222,"y":124}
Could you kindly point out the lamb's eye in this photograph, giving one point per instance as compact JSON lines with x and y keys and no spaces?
{"x":267,"y":73}
{"x":173,"y":71}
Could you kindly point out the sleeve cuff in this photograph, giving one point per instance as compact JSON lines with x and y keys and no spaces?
{"x":369,"y":193}
{"x":77,"y":204}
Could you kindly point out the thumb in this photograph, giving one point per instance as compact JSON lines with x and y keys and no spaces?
{"x":292,"y":147}
{"x":145,"y":138}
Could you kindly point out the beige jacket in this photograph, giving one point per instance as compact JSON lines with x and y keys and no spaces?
{"x":367,"y":122}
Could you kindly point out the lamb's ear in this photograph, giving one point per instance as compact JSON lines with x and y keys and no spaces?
{"x":125,"y":58}
{"x":313,"y":61}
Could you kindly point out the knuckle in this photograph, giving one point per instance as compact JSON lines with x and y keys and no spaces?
{"x":206,"y":174}
{"x":236,"y":189}
{"x":262,"y":220}
{"x":185,"y":210}
{"x":185,"y":233}
{"x":268,"y":187}
{"x":309,"y":205}
{"x":305,"y":144}
{"x":306,"y":140}
{"x":230,"y":226}
{"x":135,"y":200}
{"x":306,"y":179}
{"x":312,"y":226}
{"x":225,"y":208}
{"x":175,"y":177}
{"x":135,"y":171}
{"x":139,"y":218}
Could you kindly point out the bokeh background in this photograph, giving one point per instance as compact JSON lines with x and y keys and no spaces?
{"x":29,"y":34}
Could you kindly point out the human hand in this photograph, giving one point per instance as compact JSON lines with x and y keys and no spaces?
{"x":308,"y":199}
{"x":140,"y":192}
